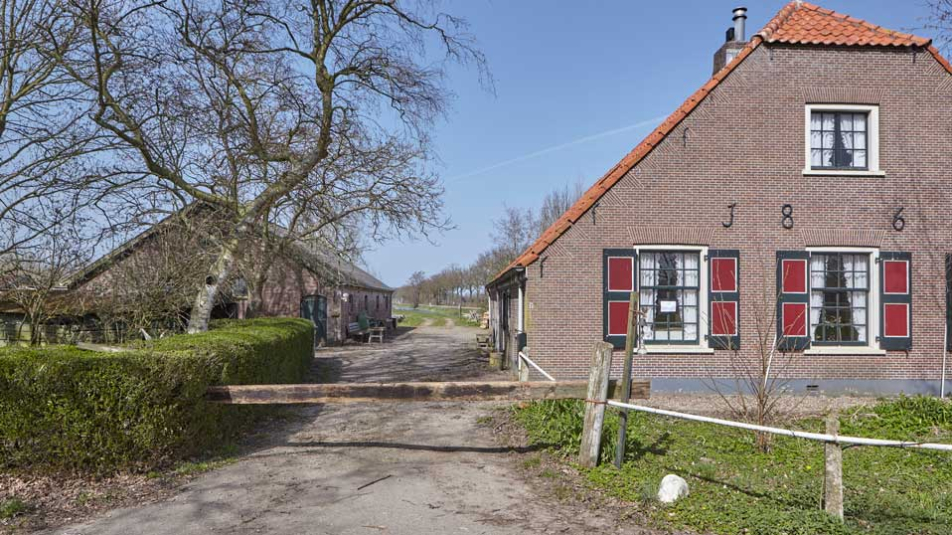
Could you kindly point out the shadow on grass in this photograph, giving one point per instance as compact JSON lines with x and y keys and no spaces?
{"x":659,"y":447}
{"x":418,"y":447}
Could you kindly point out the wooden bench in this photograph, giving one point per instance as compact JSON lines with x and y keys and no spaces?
{"x":376,"y":333}
{"x":354,"y":331}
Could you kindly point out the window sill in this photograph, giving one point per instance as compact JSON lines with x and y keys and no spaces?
{"x":683,"y":349}
{"x":844,"y":350}
{"x":834,"y":172}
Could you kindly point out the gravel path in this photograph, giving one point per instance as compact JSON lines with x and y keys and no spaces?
{"x":402,"y":468}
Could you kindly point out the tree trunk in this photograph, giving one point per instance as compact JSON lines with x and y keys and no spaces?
{"x":256,"y":288}
{"x":205,"y":300}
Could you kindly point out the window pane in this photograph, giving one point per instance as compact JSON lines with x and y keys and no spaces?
{"x":846,"y":121}
{"x":859,"y":158}
{"x":691,"y":278}
{"x":847,"y":139}
{"x":828,"y":140}
{"x":859,"y":122}
{"x":647,"y":276}
{"x":828,"y":158}
{"x":815,"y":160}
{"x":814,"y":121}
{"x":859,"y":315}
{"x":690,"y":298}
{"x":690,"y":332}
{"x":829,"y":121}
{"x":860,"y":333}
{"x":860,"y":140}
{"x":690,"y":314}
{"x":859,"y":299}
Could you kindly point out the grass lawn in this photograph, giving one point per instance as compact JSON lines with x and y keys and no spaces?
{"x":439,"y":315}
{"x":736,"y":489}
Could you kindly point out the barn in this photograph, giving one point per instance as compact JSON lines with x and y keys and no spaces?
{"x":792,"y":209}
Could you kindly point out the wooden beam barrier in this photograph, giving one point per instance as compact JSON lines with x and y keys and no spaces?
{"x":404,"y":392}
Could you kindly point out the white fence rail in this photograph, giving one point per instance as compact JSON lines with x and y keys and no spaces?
{"x":597,"y":401}
{"x":822,"y":437}
{"x":525,"y":358}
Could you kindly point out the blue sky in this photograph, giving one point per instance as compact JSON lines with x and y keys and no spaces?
{"x":578,"y":85}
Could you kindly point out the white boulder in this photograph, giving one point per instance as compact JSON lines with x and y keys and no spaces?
{"x":672,"y":488}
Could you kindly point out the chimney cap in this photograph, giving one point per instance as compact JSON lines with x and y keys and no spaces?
{"x":740,"y":12}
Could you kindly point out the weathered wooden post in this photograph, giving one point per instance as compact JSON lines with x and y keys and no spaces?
{"x":833,"y":474}
{"x":595,"y":399}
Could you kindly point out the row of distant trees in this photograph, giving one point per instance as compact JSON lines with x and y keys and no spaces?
{"x":512,"y":233}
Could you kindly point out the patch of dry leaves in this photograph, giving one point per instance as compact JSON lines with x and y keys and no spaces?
{"x":57,"y":500}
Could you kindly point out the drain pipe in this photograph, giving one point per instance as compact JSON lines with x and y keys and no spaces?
{"x":945,"y":353}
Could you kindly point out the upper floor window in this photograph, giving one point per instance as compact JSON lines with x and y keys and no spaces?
{"x":670,"y":287}
{"x":842,"y":139}
{"x":838,"y":140}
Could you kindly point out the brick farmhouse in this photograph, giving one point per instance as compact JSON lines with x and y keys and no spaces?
{"x":302,"y":281}
{"x":798,"y":200}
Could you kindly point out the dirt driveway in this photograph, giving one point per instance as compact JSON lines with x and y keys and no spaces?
{"x":420,"y":468}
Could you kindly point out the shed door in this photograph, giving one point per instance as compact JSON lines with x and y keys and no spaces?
{"x":314,"y":308}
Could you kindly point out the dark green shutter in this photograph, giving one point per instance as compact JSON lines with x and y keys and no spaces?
{"x":895,"y":301}
{"x":611,"y":297}
{"x":793,"y":300}
{"x":724,"y":299}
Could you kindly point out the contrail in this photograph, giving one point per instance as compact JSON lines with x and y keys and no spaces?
{"x":586,"y":139}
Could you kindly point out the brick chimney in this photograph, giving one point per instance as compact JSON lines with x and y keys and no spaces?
{"x":734,"y":42}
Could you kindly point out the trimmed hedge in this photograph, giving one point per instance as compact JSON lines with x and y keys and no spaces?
{"x":67,"y":409}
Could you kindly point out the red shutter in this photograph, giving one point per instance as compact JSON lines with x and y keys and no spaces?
{"x":793,"y":300}
{"x":895,"y":271}
{"x":619,"y":269}
{"x":724,"y":299}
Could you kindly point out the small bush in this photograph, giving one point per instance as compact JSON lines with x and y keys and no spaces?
{"x":63,"y":408}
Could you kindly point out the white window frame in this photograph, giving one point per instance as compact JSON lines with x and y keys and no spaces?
{"x":872,"y":140}
{"x":703,"y":345}
{"x":872,"y":306}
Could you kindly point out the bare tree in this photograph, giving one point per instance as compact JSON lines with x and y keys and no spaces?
{"x":939,"y":20}
{"x":556,"y":203}
{"x":45,"y":132}
{"x":299,"y":114}
{"x":33,"y":277}
{"x":759,"y":382}
{"x":416,"y":282}
{"x":148,"y":286}
{"x":514,"y":232}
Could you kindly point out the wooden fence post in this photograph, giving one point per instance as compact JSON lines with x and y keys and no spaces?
{"x":595,"y":400}
{"x":523,"y":367}
{"x":833,"y":474}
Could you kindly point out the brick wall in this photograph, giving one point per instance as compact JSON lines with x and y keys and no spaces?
{"x":289,"y":283}
{"x":745,"y":144}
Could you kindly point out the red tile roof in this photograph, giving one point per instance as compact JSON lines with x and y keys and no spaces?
{"x":795,"y":23}
{"x":808,"y":24}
